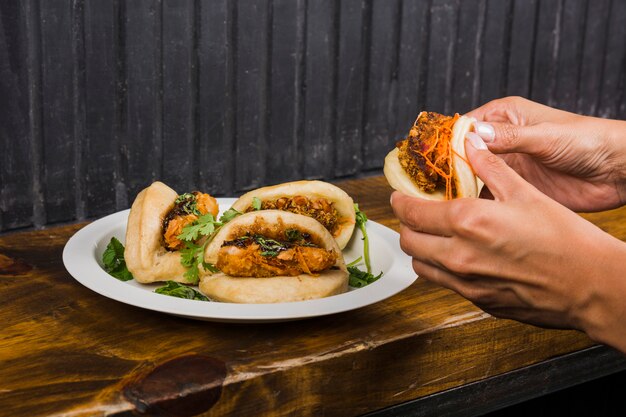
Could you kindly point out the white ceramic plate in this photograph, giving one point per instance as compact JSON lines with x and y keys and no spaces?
{"x":82,"y":257}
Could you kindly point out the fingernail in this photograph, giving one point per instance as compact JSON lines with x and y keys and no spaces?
{"x":476,"y":141}
{"x":391,"y":199}
{"x":485,"y":131}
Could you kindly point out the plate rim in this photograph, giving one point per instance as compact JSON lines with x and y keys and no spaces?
{"x":79,"y":259}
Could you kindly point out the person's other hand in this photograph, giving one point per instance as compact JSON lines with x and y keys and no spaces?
{"x":579,"y":161}
{"x":521,"y":256}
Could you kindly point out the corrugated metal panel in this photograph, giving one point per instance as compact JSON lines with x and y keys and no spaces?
{"x":101,"y":98}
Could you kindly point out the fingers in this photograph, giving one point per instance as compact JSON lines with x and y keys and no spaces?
{"x":421,"y":215}
{"x":504,"y":110}
{"x":425,"y":247}
{"x":503,"y":182}
{"x":475,"y":291}
{"x":518,"y":111}
{"x":509,"y":138}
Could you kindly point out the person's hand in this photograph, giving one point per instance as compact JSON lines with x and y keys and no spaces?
{"x":521,"y":256}
{"x":579,"y":161}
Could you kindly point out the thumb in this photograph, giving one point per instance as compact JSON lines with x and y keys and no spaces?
{"x":503,"y":182}
{"x":508,"y":137}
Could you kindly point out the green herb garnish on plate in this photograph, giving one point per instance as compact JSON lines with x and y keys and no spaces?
{"x":174,"y":289}
{"x":113,"y":260}
{"x":360,"y":278}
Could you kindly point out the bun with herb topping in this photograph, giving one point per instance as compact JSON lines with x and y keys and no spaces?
{"x":157,"y":217}
{"x":325,"y":202}
{"x":431,"y":163}
{"x":273,"y":256}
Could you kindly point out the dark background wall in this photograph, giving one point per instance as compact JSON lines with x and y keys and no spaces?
{"x":100,"y":98}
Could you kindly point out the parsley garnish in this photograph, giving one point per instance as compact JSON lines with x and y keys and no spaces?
{"x":174,"y":289}
{"x":188,"y":203}
{"x":192,"y":255}
{"x":114,"y":262}
{"x":256,"y":203}
{"x":229,"y":214}
{"x":203,"y":226}
{"x":360,"y":278}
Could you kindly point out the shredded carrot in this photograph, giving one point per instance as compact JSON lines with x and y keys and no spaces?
{"x":444,"y":152}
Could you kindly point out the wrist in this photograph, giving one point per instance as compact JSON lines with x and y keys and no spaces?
{"x":602,"y":314}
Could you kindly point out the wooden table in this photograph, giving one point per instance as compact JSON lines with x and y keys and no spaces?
{"x":65,"y":350}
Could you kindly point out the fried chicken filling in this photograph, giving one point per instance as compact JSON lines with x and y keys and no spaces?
{"x":426,"y":153}
{"x":320,"y":209}
{"x":187,"y":208}
{"x":259,"y":256}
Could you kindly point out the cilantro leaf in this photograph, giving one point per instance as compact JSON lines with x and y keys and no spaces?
{"x":204,"y":226}
{"x":192,"y":275}
{"x":191,"y":257}
{"x":360,"y":278}
{"x":190,"y":232}
{"x":114,"y":262}
{"x":188,"y":254}
{"x":256,"y":203}
{"x":174,"y":289}
{"x":209,"y":267}
{"x":207,"y":224}
{"x":229,"y":214}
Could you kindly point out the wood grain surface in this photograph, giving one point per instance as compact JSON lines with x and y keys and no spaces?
{"x":65,"y":350}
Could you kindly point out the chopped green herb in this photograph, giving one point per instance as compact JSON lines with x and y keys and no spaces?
{"x":256,"y":203}
{"x":188,"y":203}
{"x":360,"y":278}
{"x":293,"y":235}
{"x":269,"y":247}
{"x":229,"y":214}
{"x":174,"y":289}
{"x":113,"y":260}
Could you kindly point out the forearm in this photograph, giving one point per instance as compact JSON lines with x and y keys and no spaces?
{"x":603,"y":317}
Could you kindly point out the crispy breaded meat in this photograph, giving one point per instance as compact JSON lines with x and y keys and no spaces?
{"x":260,"y":257}
{"x":425,"y":141}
